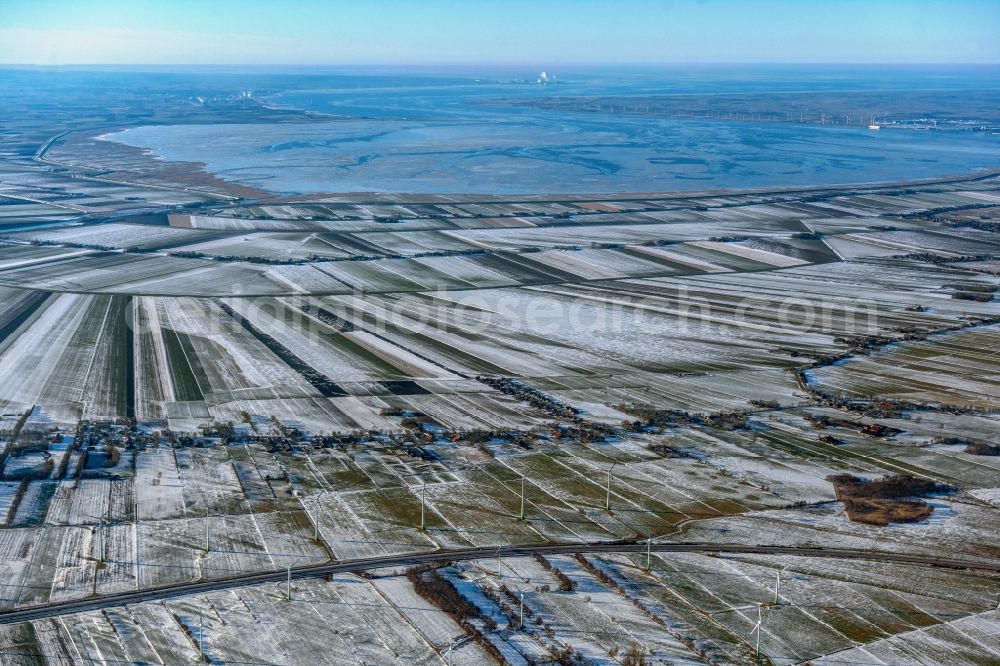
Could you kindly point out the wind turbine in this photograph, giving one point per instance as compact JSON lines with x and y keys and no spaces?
{"x":423,"y":492}
{"x":760,"y":621}
{"x":607,"y":501}
{"x":522,"y":496}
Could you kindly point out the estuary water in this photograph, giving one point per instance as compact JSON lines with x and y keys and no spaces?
{"x":459,"y":132}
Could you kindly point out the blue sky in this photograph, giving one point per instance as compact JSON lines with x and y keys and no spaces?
{"x":554,"y":32}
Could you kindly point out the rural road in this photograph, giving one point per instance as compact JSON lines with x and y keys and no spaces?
{"x":54,"y":609}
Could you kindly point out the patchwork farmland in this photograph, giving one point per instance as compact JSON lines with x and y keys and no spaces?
{"x":198,"y":395}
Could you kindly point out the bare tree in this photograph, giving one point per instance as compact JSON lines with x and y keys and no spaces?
{"x":635,"y":656}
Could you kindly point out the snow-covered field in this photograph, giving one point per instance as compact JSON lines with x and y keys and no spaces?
{"x":686,"y":609}
{"x":686,"y":369}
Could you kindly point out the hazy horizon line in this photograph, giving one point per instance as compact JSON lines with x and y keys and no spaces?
{"x":514,"y":63}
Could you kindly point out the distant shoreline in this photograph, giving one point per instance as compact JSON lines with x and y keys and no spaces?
{"x":200,"y":171}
